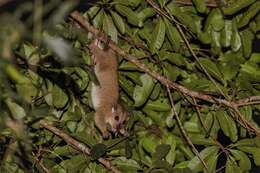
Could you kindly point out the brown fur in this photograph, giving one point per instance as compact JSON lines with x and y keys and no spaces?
{"x":109,"y":113}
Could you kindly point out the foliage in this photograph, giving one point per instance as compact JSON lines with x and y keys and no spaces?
{"x":46,"y":73}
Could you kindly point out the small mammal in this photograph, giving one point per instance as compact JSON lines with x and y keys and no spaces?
{"x":109,"y":114}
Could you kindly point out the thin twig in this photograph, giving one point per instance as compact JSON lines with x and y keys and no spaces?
{"x":209,"y":3}
{"x":199,"y":116}
{"x":39,"y":162}
{"x":248,"y":101}
{"x":77,"y":145}
{"x":103,"y":37}
{"x":183,"y":131}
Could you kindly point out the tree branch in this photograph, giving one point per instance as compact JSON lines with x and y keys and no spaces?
{"x":77,"y":145}
{"x":198,"y":95}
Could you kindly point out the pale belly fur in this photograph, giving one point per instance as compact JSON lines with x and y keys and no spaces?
{"x":95,"y":98}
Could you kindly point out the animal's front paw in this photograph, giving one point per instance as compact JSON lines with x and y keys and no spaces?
{"x":105,"y":135}
{"x":124,"y":132}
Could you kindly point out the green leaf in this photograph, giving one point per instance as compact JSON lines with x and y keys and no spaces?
{"x":211,"y":163}
{"x":235,"y":38}
{"x":15,"y":75}
{"x":247,"y":112}
{"x":182,"y":16}
{"x":191,"y":127}
{"x":157,"y":117}
{"x":227,"y":124}
{"x":118,"y":21}
{"x":162,"y":166}
{"x":236,"y":6}
{"x":156,"y":91}
{"x":252,"y":70}
{"x":186,"y":151}
{"x":59,"y":97}
{"x":215,"y":19}
{"x":16,"y":110}
{"x":74,"y":164}
{"x":162,"y":3}
{"x":231,"y":166}
{"x":109,"y":27}
{"x":170,"y":71}
{"x":142,"y":93}
{"x":98,"y":20}
{"x":230,"y":64}
{"x":173,"y":35}
{"x":132,"y":16}
{"x":199,"y":139}
{"x":146,"y":13}
{"x":27,"y":91}
{"x":174,"y":58}
{"x":170,"y":140}
{"x":226,"y":34}
{"x":93,"y":11}
{"x":158,"y":36}
{"x":244,"y":162}
{"x":149,"y":143}
{"x":195,"y":164}
{"x":126,"y":165}
{"x":94,"y":167}
{"x":134,"y":76}
{"x":131,"y":3}
{"x":249,"y":14}
{"x":215,"y":37}
{"x":205,"y":37}
{"x":211,"y":67}
{"x":128,"y":66}
{"x":255,"y":151}
{"x":161,"y":151}
{"x":245,"y":142}
{"x":200,"y":5}
{"x":247,"y":37}
{"x":126,"y":85}
{"x":161,"y":105}
{"x":97,"y":151}
{"x":60,"y":151}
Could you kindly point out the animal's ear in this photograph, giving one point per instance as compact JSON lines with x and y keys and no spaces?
{"x":113,"y":110}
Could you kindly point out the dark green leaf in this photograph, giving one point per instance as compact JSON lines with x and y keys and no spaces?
{"x":227,"y":124}
{"x":97,"y":151}
{"x":158,"y":35}
{"x":161,"y":151}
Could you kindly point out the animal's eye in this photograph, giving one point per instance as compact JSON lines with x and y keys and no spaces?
{"x":124,"y":122}
{"x":116,"y":118}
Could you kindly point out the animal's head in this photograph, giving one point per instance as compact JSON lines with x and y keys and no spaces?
{"x":118,"y":120}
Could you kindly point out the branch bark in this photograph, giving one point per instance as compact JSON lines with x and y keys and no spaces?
{"x":209,"y":3}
